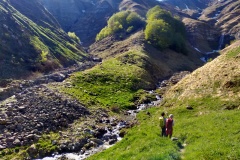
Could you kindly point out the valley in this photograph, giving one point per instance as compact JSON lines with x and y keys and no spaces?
{"x":89,"y":79}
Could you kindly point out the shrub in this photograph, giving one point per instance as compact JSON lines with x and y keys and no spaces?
{"x":165,"y":31}
{"x":121,"y":23}
{"x":159,"y":33}
{"x":74,"y":37}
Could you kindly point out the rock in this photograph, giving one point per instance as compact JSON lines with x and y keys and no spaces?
{"x":97,"y":141}
{"x":112,"y":141}
{"x":32,"y":151}
{"x":189,"y":107}
{"x":58,"y":77}
{"x":122,"y":133}
{"x":10,"y":139}
{"x":17,"y":142}
{"x":3,"y":121}
{"x":2,"y":147}
{"x":174,"y":138}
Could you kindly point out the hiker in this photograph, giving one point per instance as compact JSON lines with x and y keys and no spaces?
{"x":169,"y":126}
{"x":162,"y":120}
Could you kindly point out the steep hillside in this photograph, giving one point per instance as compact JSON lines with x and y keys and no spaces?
{"x":209,"y":22}
{"x":189,"y":4}
{"x":218,"y":78}
{"x":225,"y":15}
{"x":165,"y":62}
{"x":32,"y":41}
{"x":205,"y":105}
{"x":85,"y":18}
{"x":202,"y":36}
{"x":139,"y":6}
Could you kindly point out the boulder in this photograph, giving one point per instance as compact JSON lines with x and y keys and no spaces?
{"x":3,"y":121}
{"x":17,"y":142}
{"x":32,"y":151}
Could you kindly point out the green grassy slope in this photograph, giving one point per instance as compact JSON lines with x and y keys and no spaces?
{"x":209,"y":131}
{"x":28,"y":44}
{"x":128,"y":67}
{"x":114,"y":83}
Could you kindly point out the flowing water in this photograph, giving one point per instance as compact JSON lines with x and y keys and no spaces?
{"x":114,"y":132}
{"x":207,"y":54}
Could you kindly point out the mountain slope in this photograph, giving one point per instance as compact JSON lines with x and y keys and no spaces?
{"x":189,"y":4}
{"x":85,"y":18}
{"x":165,"y":62}
{"x":209,"y":22}
{"x":219,"y":77}
{"x":225,"y":15}
{"x":205,"y":105}
{"x":35,"y":43}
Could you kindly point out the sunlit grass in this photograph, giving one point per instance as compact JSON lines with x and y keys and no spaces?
{"x":208,"y":131}
{"x":115,"y":82}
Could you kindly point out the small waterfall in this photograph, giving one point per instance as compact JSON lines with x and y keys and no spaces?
{"x":207,"y":55}
{"x":221,"y":40}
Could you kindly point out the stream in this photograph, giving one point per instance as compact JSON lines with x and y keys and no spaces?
{"x":214,"y":53}
{"x":113,"y":135}
{"x":114,"y":132}
{"x":87,"y":153}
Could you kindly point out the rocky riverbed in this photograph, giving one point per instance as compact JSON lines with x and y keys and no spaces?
{"x":34,"y":108}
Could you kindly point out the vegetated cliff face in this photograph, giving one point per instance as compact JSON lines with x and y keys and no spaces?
{"x":85,"y":18}
{"x":31,"y":40}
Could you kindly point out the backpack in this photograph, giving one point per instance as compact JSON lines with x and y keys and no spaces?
{"x":161,"y":122}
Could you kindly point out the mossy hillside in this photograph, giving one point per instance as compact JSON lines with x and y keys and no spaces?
{"x":114,"y":83}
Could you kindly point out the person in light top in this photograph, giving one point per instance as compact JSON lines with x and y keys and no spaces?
{"x":169,"y":126}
